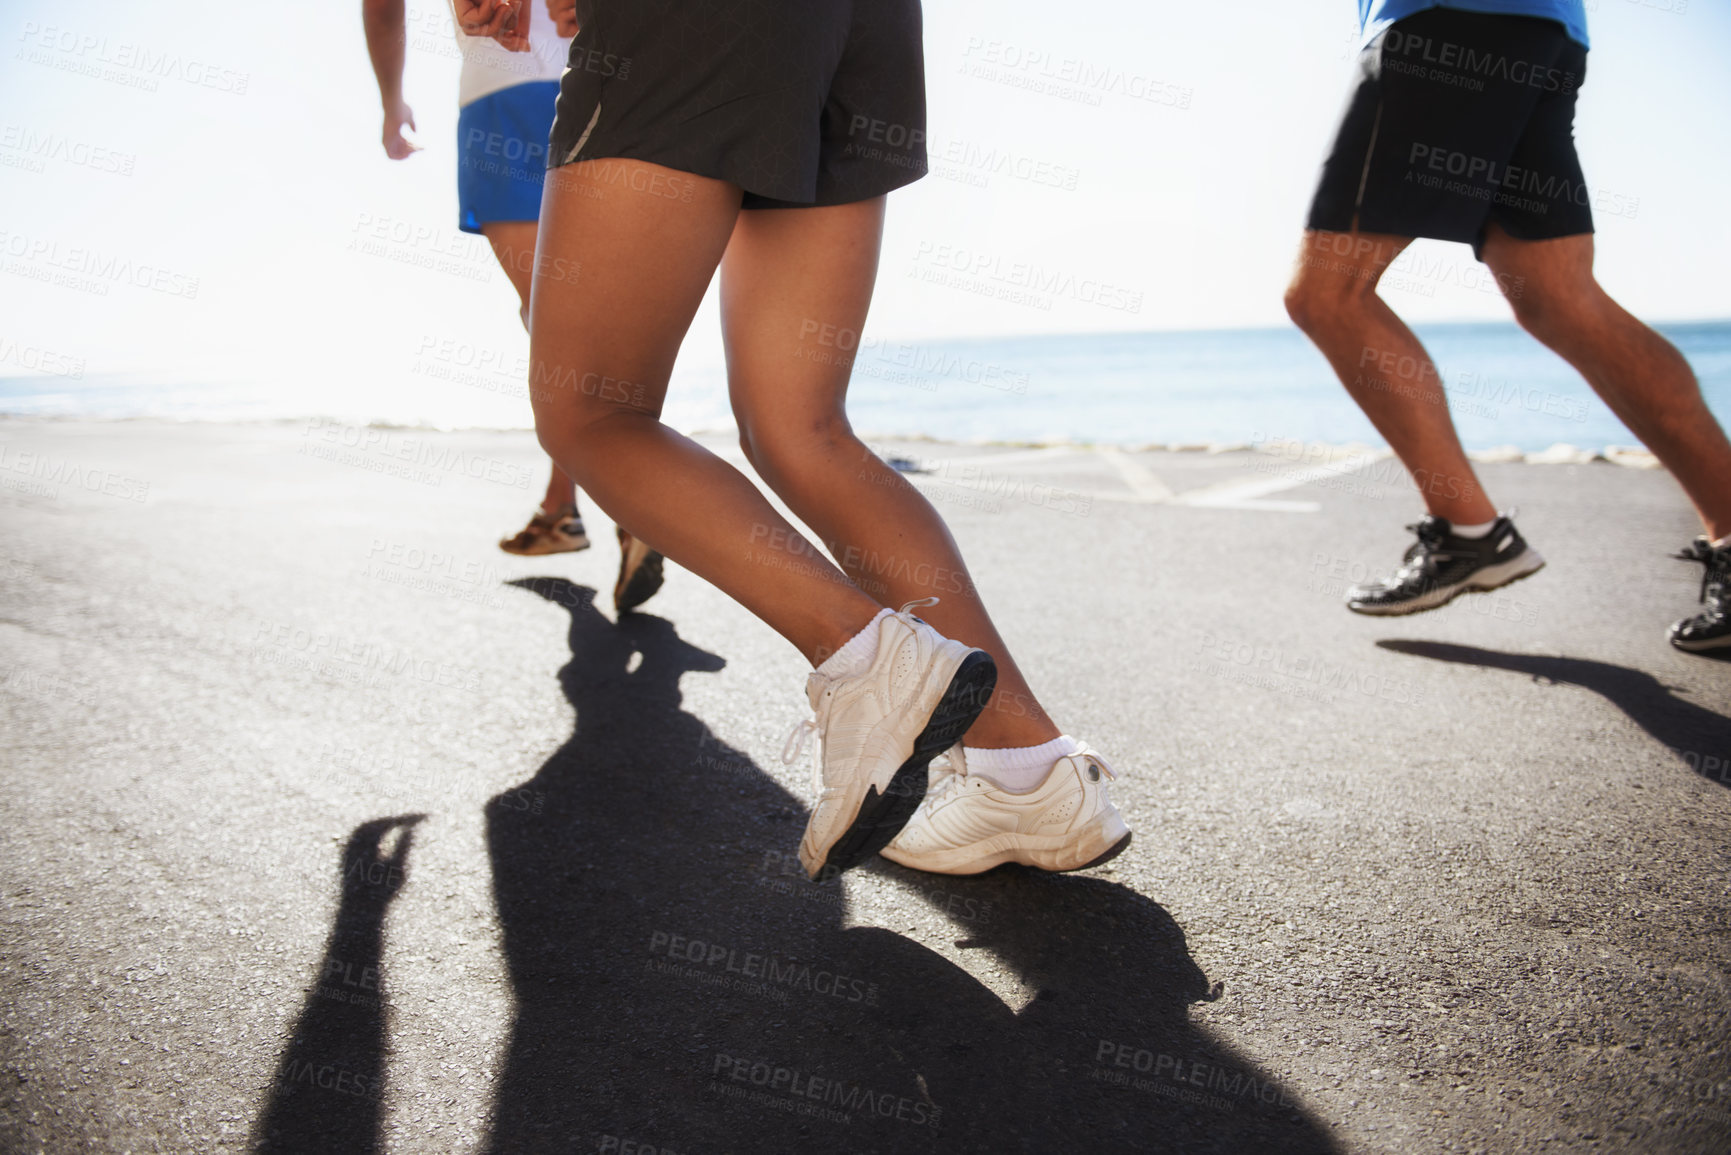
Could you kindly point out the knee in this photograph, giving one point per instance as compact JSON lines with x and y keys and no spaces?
{"x":1555,"y":309}
{"x":1545,"y":316}
{"x":1312,"y":302}
{"x":566,"y":440}
{"x":558,"y":445}
{"x":1300,"y":304}
{"x":783,"y":450}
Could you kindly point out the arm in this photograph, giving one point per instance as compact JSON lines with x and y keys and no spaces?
{"x":386,"y":42}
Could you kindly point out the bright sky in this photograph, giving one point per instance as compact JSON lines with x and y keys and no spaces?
{"x":226,"y":155}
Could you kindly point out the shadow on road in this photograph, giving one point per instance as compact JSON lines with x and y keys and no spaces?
{"x":1695,"y":735}
{"x":680,"y":986}
{"x":326,"y":1093}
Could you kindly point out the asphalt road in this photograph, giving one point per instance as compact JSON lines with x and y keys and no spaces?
{"x":328,"y":827}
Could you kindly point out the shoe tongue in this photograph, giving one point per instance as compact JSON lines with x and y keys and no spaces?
{"x":958,"y":762}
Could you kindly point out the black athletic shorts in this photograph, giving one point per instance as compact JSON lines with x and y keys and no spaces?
{"x":1459,"y":119}
{"x":799,"y":102}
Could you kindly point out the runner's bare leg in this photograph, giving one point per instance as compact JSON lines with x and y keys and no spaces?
{"x":514,"y":245}
{"x":1640,"y":375}
{"x":619,"y":274}
{"x":791,"y":279}
{"x":1333,"y":298}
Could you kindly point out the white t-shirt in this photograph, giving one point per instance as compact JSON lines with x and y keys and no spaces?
{"x":489,"y":67}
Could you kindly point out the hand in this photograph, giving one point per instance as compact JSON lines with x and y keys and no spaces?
{"x":375,"y":866}
{"x":564,"y":14}
{"x":498,"y":19}
{"x":398,"y":146}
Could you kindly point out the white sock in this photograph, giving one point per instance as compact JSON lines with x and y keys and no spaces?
{"x":1023,"y":768}
{"x":1473,"y":532}
{"x":1723,"y":543}
{"x":855,"y":658}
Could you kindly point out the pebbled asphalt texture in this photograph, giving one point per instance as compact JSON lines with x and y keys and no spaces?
{"x":329,"y":827}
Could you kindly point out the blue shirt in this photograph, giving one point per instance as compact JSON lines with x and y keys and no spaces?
{"x":1375,"y":15}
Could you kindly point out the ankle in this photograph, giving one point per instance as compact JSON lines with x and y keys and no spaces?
{"x":1008,"y":724}
{"x":1466,"y":518}
{"x":1473,"y":532}
{"x":1020,"y":769}
{"x":855,"y":655}
{"x":822,"y":640}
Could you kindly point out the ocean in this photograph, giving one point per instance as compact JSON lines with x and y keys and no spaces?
{"x":1217,"y":387}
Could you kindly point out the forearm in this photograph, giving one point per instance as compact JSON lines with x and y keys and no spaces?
{"x":387,"y":41}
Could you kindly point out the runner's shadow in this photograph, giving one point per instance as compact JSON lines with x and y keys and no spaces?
{"x":1697,"y":736}
{"x":326,"y":1093}
{"x":679,"y":987}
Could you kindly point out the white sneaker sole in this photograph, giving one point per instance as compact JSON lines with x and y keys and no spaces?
{"x":1489,"y":578}
{"x":880,"y":803}
{"x":1098,"y":842}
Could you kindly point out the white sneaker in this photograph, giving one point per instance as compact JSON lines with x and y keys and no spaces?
{"x":880,"y":730}
{"x":968,"y":824}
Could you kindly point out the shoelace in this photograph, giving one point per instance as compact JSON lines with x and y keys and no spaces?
{"x":801,"y":734}
{"x":1420,"y":559}
{"x":1702,"y":550}
{"x":795,"y":746}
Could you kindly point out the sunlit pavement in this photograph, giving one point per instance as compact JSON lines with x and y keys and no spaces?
{"x":326,"y":828}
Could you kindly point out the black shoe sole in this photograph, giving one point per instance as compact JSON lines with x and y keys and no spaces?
{"x":1117,"y":848}
{"x":882,"y":816}
{"x":1706,"y":647}
{"x":641,"y":585}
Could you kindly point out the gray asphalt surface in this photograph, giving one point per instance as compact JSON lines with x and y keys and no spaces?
{"x":325,"y":829}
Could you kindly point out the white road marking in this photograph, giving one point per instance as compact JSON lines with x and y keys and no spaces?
{"x":1141,"y":480}
{"x":1143,"y":485}
{"x":1248,"y":494}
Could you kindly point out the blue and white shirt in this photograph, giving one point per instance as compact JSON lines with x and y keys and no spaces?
{"x":489,"y":67}
{"x":1375,"y":15}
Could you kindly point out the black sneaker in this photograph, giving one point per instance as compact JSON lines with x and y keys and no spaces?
{"x":639,"y":574}
{"x":1711,"y":628}
{"x":1441,"y":564}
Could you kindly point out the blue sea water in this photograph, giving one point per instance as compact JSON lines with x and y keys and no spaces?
{"x":1206,"y":387}
{"x":1504,"y":388}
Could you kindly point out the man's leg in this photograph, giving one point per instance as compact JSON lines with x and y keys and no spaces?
{"x":1333,"y":298}
{"x":514,"y":245}
{"x":790,"y":323}
{"x":1638,"y":373}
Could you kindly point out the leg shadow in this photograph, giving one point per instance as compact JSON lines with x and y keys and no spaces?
{"x":679,"y":987}
{"x":326,"y":1093}
{"x":1697,"y":736}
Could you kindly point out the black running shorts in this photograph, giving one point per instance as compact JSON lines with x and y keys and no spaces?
{"x":1459,"y":119}
{"x":799,"y":102}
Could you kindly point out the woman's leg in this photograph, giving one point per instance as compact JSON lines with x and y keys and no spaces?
{"x":514,"y":245}
{"x":620,"y":269}
{"x":796,"y":285}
